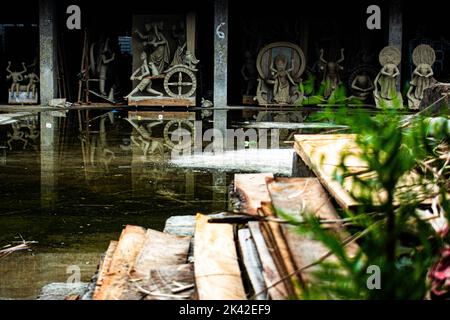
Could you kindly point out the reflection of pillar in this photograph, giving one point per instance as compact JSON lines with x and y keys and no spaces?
{"x":2,"y":156}
{"x":220,"y":64}
{"x":219,"y":189}
{"x":190,"y":185}
{"x":49,"y":124}
{"x":396,"y":27}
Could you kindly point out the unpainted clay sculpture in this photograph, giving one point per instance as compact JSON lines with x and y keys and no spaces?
{"x":422,"y":77}
{"x":386,"y":93}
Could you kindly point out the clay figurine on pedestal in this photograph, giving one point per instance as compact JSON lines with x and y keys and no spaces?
{"x":166,"y":77}
{"x":422,"y":77}
{"x":22,"y":92}
{"x":386,"y":93}
{"x":280,"y":66}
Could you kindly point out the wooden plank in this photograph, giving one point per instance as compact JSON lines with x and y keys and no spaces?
{"x":253,"y":190}
{"x":217,"y":273}
{"x":171,"y":283}
{"x":322,"y":154}
{"x":114,"y":285}
{"x":293,"y":196}
{"x":104,"y":266}
{"x":282,"y":249}
{"x":159,"y":249}
{"x":270,"y":271}
{"x":252,"y":264}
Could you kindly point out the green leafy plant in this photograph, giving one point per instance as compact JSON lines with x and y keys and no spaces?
{"x":390,"y":229}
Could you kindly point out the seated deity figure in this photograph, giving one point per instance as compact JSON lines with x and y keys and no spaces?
{"x":33,"y":79}
{"x":282,"y":80}
{"x":362,"y":86}
{"x":279,"y":67}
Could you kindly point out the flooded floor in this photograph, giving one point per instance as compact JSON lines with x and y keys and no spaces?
{"x":74,"y":201}
{"x":103,"y":173}
{"x":85,"y":200}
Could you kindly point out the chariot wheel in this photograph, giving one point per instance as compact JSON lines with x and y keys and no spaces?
{"x":174,"y":125}
{"x":180,"y":82}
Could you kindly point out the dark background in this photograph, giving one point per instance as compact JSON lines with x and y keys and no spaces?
{"x":331,"y":25}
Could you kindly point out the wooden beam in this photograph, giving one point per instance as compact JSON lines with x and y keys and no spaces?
{"x":270,"y":271}
{"x":252,"y":264}
{"x":217,"y":273}
{"x":295,"y":197}
{"x":281,"y":248}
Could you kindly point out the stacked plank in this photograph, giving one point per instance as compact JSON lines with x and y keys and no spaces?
{"x":285,"y":258}
{"x":324,"y":153}
{"x":145,"y":264}
{"x":153,"y":265}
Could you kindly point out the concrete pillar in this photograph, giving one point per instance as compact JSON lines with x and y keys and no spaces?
{"x":48,"y":123}
{"x":220,"y":64}
{"x":396,"y":26}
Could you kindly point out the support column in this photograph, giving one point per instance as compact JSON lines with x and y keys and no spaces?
{"x":220,"y":65}
{"x":48,"y":123}
{"x":396,"y":27}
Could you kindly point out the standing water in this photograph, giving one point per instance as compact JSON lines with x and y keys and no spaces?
{"x":91,"y":200}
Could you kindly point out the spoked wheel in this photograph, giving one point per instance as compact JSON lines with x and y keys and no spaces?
{"x":180,"y":127}
{"x":180,"y":82}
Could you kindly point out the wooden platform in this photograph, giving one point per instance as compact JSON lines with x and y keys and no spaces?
{"x":162,"y":101}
